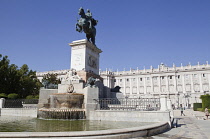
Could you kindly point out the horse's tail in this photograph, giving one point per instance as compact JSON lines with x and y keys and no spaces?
{"x":94,"y":22}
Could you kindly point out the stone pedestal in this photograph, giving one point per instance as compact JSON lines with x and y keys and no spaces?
{"x":85,"y":56}
{"x":163,"y":103}
{"x":44,"y":96}
{"x":89,"y":102}
{"x":169,"y":107}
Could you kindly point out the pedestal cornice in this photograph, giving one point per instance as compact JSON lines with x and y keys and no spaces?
{"x":85,"y":43}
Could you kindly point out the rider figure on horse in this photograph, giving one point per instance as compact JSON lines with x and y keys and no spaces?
{"x":87,"y":24}
{"x":91,"y":20}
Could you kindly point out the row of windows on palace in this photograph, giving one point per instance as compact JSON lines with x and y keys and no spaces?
{"x":186,"y":76}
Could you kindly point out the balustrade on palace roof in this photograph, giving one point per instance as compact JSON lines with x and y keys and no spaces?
{"x":158,"y":70}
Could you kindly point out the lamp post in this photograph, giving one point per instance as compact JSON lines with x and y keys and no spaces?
{"x":126,"y":97}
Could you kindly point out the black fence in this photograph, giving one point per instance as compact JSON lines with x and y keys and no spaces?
{"x":20,"y":103}
{"x":135,"y":104}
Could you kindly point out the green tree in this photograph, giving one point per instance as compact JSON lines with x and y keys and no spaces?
{"x":51,"y":78}
{"x":29,"y":83}
{"x":21,"y":81}
{"x":4,"y":68}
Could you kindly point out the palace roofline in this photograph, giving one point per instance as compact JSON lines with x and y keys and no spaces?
{"x":161,"y":69}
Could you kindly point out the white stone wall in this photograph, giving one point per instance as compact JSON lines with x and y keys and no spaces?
{"x":140,"y":116}
{"x":31,"y":112}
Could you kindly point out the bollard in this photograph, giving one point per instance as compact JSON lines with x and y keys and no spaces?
{"x":2,"y":102}
{"x":163,"y":103}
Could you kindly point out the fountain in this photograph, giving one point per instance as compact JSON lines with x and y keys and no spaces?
{"x":66,"y":104}
{"x":73,"y":99}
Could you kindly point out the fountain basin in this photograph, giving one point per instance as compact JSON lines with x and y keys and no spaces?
{"x":110,"y":129}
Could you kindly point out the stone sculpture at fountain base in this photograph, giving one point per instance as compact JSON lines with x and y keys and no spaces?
{"x":63,"y":106}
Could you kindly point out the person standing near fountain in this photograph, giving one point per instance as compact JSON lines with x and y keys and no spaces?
{"x":182,"y":111}
{"x":206,"y":113}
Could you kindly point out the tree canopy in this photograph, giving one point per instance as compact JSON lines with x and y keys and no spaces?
{"x":21,"y":81}
{"x":51,"y":81}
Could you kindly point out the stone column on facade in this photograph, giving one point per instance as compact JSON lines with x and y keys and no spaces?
{"x":191,"y":82}
{"x":175,"y":84}
{"x":183,"y":83}
{"x":109,"y":82}
{"x":117,"y":82}
{"x":137,"y":85}
{"x":152,"y":86}
{"x":167,"y":84}
{"x":159,"y":82}
{"x":145,"y":88}
{"x":200,"y":82}
{"x":124,"y":86}
{"x":131,"y":87}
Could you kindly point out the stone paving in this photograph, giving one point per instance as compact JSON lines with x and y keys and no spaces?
{"x":190,"y":126}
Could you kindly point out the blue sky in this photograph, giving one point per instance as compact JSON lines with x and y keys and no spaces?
{"x":131,"y":33}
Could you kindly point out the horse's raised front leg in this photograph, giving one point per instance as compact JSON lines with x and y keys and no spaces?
{"x":78,"y":28}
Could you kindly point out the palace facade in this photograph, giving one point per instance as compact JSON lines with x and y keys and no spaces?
{"x":183,"y":85}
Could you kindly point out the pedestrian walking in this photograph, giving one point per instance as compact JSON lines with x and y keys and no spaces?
{"x":182,"y":111}
{"x":206,"y":113}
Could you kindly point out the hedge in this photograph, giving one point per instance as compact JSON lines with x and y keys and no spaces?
{"x":13,"y":96}
{"x":199,"y":109}
{"x":3,"y":95}
{"x":197,"y":105}
{"x":205,"y":101}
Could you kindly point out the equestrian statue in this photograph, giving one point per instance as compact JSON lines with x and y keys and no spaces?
{"x":87,"y":24}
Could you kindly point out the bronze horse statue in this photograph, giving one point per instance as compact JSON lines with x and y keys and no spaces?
{"x":87,"y":24}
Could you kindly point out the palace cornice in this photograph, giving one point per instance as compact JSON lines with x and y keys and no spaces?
{"x":153,"y":71}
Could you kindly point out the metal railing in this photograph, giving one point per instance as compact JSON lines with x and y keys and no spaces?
{"x":135,"y":104}
{"x":20,"y":103}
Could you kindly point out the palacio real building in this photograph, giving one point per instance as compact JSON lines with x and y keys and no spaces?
{"x":183,"y":85}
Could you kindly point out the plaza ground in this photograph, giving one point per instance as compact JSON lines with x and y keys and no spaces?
{"x":190,"y":126}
